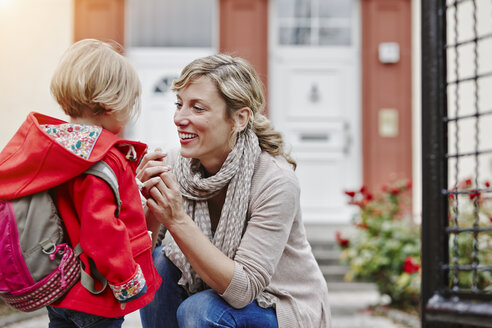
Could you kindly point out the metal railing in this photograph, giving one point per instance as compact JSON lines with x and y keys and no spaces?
{"x":457,"y":162}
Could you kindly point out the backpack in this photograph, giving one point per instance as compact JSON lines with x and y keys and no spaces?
{"x":37,"y":265}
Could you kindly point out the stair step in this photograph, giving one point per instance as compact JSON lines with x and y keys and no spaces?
{"x":326,"y":233}
{"x":335,"y":261}
{"x":326,"y":254}
{"x":349,"y":299}
{"x":334,"y":272}
{"x":323,"y":244}
{"x":322,"y":262}
{"x":349,"y":287}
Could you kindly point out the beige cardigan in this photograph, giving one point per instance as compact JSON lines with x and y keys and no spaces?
{"x":274,"y":262}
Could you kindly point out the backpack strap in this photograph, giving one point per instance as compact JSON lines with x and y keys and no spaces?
{"x":86,"y":279}
{"x":103,"y":171}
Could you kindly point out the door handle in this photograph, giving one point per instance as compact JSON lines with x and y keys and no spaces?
{"x":314,"y":94}
{"x":348,"y":138}
{"x":315,"y":137}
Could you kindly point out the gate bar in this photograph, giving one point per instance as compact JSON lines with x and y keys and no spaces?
{"x":440,"y":307}
{"x":434,"y":149}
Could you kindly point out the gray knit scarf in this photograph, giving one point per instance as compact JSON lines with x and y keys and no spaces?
{"x":237,"y":171}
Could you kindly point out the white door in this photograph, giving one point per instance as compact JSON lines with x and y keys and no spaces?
{"x":163,"y":37}
{"x":315,"y":99}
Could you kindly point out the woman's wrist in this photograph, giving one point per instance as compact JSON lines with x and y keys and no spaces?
{"x":181,"y":222}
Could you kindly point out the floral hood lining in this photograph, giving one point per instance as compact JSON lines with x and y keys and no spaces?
{"x":78,"y":138}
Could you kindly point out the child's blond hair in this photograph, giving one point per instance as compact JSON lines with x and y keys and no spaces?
{"x":93,"y":78}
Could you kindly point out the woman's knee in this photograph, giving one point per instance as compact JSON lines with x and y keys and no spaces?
{"x":201,"y":309}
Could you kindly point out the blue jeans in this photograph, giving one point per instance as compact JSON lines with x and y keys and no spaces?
{"x":65,"y":318}
{"x":172,"y":307}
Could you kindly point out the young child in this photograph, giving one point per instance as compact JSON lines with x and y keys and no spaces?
{"x":99,"y":89}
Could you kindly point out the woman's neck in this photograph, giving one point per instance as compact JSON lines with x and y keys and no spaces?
{"x":215,"y":205}
{"x":213,"y":165}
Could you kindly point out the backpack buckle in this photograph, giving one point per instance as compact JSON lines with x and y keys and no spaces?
{"x":48,"y":247}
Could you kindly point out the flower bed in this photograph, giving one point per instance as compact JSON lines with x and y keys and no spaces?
{"x":385,"y":249}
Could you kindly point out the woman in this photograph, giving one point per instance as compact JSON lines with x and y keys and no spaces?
{"x":236,"y":254}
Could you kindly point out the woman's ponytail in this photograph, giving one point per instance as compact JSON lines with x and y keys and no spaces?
{"x":270,"y":140}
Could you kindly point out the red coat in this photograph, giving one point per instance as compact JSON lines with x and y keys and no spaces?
{"x":33,"y":161}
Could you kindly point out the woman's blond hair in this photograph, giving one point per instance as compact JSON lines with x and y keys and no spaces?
{"x":240,"y":87}
{"x":93,"y":76}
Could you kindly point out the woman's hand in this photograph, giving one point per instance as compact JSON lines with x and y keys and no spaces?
{"x":165,"y":200}
{"x":150,"y":168}
{"x":150,"y":164}
{"x":148,"y":173}
{"x":166,"y":205}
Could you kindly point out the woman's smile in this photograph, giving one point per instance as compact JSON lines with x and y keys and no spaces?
{"x":186,"y":137}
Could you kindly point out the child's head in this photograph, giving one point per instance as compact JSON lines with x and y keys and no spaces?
{"x":93,"y":79}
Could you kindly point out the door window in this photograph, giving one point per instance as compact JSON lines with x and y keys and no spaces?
{"x":171,"y":23}
{"x":314,"y":22}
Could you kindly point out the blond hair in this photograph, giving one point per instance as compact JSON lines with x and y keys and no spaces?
{"x":93,"y":76}
{"x":239,"y":85}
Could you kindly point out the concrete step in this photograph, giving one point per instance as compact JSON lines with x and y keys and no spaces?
{"x":324,"y":245}
{"x":350,"y":298}
{"x":334,"y":273}
{"x":351,"y":287}
{"x":327,"y":232}
{"x":326,"y":256}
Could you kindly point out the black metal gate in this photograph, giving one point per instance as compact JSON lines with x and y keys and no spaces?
{"x":457,"y":163}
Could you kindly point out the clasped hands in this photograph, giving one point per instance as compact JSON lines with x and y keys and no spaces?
{"x":160,"y":188}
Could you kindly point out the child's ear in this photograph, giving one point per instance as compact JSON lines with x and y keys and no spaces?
{"x":113,"y":114}
{"x":241,"y":118}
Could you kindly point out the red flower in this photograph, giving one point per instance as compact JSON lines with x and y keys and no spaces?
{"x":395,"y":191}
{"x":362,"y":225}
{"x":451,"y":193}
{"x":360,"y":203}
{"x":350,"y":193}
{"x":369,"y":197}
{"x":474,"y":194}
{"x":409,"y":184}
{"x":410,"y":266}
{"x":487,"y":184}
{"x":343,"y":242}
{"x":468,"y":182}
{"x":363,"y":189}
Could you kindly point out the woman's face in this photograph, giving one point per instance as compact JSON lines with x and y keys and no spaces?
{"x":204,"y":129}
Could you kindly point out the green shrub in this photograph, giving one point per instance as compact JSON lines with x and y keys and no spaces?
{"x":467,"y":209}
{"x":385,"y":249}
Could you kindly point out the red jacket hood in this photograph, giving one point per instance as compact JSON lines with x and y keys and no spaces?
{"x":33,"y":161}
